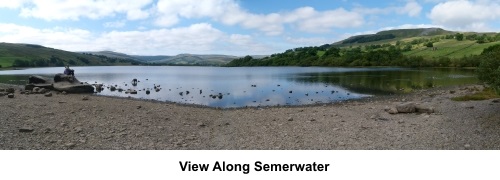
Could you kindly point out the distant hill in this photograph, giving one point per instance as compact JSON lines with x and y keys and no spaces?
{"x":32,"y":55}
{"x":181,"y":59}
{"x":195,"y":59}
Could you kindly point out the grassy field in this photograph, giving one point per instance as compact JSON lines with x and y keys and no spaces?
{"x":451,"y":48}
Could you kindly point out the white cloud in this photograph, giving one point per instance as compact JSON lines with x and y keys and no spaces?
{"x":411,"y":26}
{"x":466,"y":15}
{"x":228,"y":12}
{"x":315,"y":41}
{"x":115,"y":24}
{"x":197,"y":38}
{"x":324,"y":21}
{"x":64,"y":38}
{"x":74,"y":10}
{"x":411,"y":8}
{"x":12,"y":4}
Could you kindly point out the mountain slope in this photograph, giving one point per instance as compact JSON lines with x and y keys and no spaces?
{"x":391,"y":36}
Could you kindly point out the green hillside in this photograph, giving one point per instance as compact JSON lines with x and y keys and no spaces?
{"x":30,"y":55}
{"x":425,"y":47}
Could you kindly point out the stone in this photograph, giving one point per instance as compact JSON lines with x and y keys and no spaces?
{"x":392,"y":111}
{"x":382,"y":119}
{"x":26,"y":129}
{"x":43,"y":91}
{"x":49,"y":94}
{"x":424,"y":109}
{"x":70,"y":145}
{"x":85,"y":98}
{"x":37,"y":80}
{"x":495,"y":101}
{"x":64,"y":93}
{"x":408,"y":107}
{"x":35,"y":90}
{"x":10,"y":90}
{"x":452,"y":92}
{"x":290,"y":119}
{"x":10,"y":95}
{"x":78,"y":129}
{"x":201,"y":124}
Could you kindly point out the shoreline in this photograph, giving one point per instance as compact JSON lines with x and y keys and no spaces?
{"x":70,"y":122}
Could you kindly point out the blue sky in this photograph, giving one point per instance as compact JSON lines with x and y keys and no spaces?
{"x":233,"y":27}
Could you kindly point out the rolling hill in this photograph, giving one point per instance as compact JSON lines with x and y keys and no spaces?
{"x":444,"y":43}
{"x":31,"y":55}
{"x":423,"y":47}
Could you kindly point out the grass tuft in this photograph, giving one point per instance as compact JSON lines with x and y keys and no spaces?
{"x":487,"y":93}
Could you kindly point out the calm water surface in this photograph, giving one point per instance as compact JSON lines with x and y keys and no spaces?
{"x":255,"y":86}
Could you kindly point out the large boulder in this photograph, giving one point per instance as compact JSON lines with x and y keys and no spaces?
{"x":60,"y":82}
{"x":39,"y":80}
{"x":409,"y":107}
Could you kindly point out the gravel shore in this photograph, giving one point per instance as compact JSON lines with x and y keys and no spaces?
{"x":76,"y":121}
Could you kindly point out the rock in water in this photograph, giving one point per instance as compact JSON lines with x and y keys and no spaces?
{"x":408,"y":107}
{"x":10,"y":95}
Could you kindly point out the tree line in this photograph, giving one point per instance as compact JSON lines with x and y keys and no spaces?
{"x":315,"y":56}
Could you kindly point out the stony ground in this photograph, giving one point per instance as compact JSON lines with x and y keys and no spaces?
{"x":73,"y":122}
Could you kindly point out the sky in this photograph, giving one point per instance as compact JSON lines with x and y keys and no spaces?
{"x":231,"y":27}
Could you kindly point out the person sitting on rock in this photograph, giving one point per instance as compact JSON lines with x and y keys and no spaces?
{"x":68,"y":71}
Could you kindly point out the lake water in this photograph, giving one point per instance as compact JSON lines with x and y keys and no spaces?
{"x":254,"y":86}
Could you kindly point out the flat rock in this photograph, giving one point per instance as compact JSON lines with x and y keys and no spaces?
{"x":10,"y":95}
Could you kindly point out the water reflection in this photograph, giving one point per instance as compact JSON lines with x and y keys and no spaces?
{"x":253,"y":86}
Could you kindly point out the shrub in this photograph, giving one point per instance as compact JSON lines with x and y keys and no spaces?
{"x":489,"y":69}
